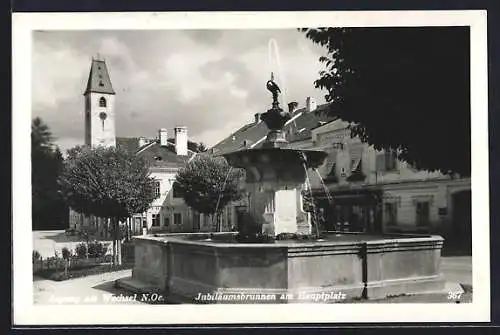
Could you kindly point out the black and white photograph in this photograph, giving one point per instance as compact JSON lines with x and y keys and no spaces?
{"x":251,"y":167}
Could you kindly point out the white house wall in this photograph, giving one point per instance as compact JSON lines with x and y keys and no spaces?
{"x":167,"y":205}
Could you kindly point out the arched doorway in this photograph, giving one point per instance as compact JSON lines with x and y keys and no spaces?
{"x":461,"y":232}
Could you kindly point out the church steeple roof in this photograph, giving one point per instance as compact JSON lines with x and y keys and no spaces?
{"x":99,"y":81}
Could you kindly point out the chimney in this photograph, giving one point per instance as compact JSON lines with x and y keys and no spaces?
{"x":292,"y":107}
{"x":181,"y":141}
{"x":310,"y":104}
{"x":142,"y":141}
{"x":257,"y":117}
{"x":162,"y":136}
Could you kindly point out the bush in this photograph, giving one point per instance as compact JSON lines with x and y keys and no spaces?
{"x":81,"y":250}
{"x":36,"y":256}
{"x":66,"y":253}
{"x":97,"y":249}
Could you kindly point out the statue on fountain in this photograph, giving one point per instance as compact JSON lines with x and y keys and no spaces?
{"x":275,"y":118}
{"x":273,"y":88}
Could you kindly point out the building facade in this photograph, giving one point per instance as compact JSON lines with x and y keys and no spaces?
{"x":361,"y":188}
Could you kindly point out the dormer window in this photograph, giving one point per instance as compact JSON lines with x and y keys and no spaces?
{"x":101,"y":83}
{"x":157,"y":189}
{"x":102,"y":102}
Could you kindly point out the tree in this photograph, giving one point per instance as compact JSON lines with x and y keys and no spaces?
{"x":208,"y":184}
{"x":404,"y":89}
{"x":48,"y":208}
{"x":109,"y":183}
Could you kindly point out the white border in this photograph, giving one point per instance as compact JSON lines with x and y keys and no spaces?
{"x":25,"y":313}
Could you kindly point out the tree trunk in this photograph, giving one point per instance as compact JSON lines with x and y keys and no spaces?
{"x":114,"y":242}
{"x":117,"y":243}
{"x":129,"y":228}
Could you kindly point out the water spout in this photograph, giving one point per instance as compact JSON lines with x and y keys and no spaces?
{"x":273,"y":46}
{"x":327,"y":192}
{"x":315,"y":212}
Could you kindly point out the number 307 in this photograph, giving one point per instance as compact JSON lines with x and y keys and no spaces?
{"x":454,"y":295}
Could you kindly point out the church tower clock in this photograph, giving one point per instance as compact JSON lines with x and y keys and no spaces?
{"x":99,"y":107}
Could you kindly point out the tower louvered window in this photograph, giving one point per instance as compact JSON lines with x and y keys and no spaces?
{"x":102,"y":102}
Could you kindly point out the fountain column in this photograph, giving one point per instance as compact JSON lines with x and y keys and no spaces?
{"x":276,"y":175}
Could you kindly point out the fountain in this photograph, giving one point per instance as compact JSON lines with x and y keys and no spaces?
{"x":258,"y":266}
{"x":276,"y":175}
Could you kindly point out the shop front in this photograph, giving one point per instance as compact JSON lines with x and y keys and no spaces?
{"x":349,"y":210}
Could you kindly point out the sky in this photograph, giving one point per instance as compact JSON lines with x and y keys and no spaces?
{"x":211,"y":81}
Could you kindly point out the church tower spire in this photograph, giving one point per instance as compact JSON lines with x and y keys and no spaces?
{"x":99,"y":98}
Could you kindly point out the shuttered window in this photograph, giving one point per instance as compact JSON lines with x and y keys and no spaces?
{"x":356,"y":154}
{"x":330,"y":171}
{"x":356,"y":165}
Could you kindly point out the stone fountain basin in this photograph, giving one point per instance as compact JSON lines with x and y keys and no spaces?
{"x":353,"y":264}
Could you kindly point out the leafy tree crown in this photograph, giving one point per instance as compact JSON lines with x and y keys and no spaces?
{"x":107,"y":182}
{"x":208,"y":183}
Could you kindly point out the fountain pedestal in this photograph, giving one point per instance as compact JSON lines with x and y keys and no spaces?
{"x":278,"y":208}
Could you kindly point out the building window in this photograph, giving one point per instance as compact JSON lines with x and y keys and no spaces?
{"x":386,"y":161}
{"x":356,"y":166}
{"x":331,"y":167}
{"x":157,"y":189}
{"x":166,"y":221}
{"x":356,"y":171}
{"x":177,"y":193}
{"x":102,"y":102}
{"x":156,"y":220}
{"x":177,"y":218}
{"x":391,"y":213}
{"x":423,"y":213}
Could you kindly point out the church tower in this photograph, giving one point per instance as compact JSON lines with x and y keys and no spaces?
{"x":99,"y":107}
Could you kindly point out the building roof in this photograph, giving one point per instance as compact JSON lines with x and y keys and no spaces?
{"x":301,"y":128}
{"x":153,"y":152}
{"x":99,"y":81}
{"x":298,"y":128}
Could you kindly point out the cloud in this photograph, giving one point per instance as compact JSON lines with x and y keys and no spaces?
{"x":211,"y":81}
